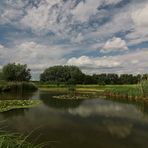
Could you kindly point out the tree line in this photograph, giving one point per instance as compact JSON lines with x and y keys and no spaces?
{"x":67,"y":75}
{"x":72,"y":74}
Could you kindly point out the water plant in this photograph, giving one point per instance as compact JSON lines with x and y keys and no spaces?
{"x":7,"y":105}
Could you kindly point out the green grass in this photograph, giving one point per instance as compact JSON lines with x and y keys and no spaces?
{"x":51,"y":86}
{"x":7,"y":105}
{"x":130,"y":90}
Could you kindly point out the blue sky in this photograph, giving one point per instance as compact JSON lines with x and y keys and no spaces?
{"x":96,"y":35}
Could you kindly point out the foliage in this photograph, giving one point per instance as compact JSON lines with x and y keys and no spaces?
{"x":16,"y":72}
{"x":62,"y":74}
{"x":88,"y":80}
{"x":105,"y":79}
{"x":17,"y":86}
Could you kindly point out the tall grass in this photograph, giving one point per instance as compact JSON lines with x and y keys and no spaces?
{"x":144,"y":87}
{"x":127,"y":90}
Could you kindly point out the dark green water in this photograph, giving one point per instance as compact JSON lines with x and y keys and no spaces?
{"x":94,"y":123}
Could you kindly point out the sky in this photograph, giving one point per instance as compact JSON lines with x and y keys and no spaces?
{"x":99,"y":36}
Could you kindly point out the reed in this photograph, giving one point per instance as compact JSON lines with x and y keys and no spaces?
{"x":144,"y":87}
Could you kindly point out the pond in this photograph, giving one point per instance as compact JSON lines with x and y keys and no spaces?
{"x":90,"y":123}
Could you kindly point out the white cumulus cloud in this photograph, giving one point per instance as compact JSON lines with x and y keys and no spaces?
{"x":133,"y":62}
{"x":114,"y":44}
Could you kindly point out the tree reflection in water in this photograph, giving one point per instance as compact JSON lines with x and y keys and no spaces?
{"x":49,"y":101}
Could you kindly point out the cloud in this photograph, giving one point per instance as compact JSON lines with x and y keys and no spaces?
{"x":115,"y":44}
{"x":140,"y":17}
{"x":11,"y":11}
{"x":78,"y":39}
{"x":93,"y":63}
{"x":52,"y":31}
{"x":111,"y":2}
{"x":10,"y":15}
{"x":35,"y":55}
{"x":17,"y":4}
{"x":37,"y":18}
{"x":1,"y":46}
{"x":79,"y":20}
{"x":130,"y":62}
{"x":101,"y":107}
{"x":49,"y":16}
{"x":140,"y":29}
{"x":85,"y":9}
{"x":83,"y":60}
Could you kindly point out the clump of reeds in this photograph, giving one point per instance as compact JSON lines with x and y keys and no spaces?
{"x":144,"y":87}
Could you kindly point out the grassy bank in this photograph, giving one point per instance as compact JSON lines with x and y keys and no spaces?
{"x":122,"y":89}
{"x":115,"y":91}
{"x":7,"y":105}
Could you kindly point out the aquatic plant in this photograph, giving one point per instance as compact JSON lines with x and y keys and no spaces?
{"x":7,"y":105}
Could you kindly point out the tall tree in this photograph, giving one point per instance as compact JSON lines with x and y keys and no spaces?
{"x":62,"y":74}
{"x":16,"y":72}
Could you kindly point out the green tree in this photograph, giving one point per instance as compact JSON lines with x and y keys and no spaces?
{"x":145,"y":77}
{"x":16,"y":72}
{"x":62,"y":74}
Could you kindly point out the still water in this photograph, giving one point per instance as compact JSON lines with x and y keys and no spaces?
{"x":90,"y":123}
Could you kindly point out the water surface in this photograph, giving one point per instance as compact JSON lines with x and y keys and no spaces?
{"x":90,"y":123}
